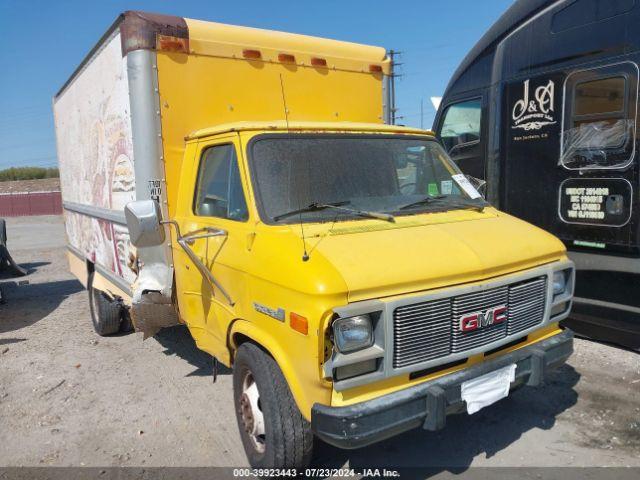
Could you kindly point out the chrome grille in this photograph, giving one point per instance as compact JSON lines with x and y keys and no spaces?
{"x":421,"y":332}
{"x":473,"y":302}
{"x":430,"y":330}
{"x":526,"y":305}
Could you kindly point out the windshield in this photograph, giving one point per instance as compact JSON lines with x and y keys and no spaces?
{"x":295,"y":177}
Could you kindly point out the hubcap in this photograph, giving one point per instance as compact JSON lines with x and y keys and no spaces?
{"x":251,"y":413}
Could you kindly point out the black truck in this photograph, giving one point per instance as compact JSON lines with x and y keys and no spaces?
{"x":544,"y":109}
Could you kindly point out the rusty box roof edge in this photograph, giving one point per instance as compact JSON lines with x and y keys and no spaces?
{"x":137,"y":30}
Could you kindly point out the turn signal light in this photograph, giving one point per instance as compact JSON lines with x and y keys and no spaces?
{"x":252,"y":54}
{"x":318,"y":62}
{"x":299,"y":323}
{"x":286,"y":58}
{"x":375,"y":68}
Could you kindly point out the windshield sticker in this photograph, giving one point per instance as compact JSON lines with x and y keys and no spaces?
{"x":532,"y":113}
{"x":446,"y":186}
{"x":432,"y":189}
{"x":464,"y":183}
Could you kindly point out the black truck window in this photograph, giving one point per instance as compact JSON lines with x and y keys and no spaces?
{"x":599,"y":127}
{"x":600,"y":98}
{"x":461,"y":124}
{"x":460,"y":134}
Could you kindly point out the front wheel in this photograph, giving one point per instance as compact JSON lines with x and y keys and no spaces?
{"x":274,"y":433}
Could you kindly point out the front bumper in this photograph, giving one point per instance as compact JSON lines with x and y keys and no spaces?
{"x":429,"y":403}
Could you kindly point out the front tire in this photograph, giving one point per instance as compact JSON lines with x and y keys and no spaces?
{"x":106,"y":314}
{"x":274,"y":433}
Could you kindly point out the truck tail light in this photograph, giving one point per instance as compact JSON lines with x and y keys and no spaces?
{"x":299,"y":323}
{"x":252,"y":54}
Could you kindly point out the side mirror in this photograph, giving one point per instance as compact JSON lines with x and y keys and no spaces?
{"x":143,"y":221}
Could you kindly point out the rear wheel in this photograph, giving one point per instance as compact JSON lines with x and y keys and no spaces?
{"x":126,"y":325}
{"x":106,"y":314}
{"x":274,"y":433}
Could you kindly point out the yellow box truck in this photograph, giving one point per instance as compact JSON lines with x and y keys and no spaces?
{"x":244,"y":183}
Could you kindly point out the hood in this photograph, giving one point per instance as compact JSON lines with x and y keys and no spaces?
{"x":377,"y":259}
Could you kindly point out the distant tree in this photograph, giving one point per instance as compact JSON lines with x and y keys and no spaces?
{"x":28,"y":173}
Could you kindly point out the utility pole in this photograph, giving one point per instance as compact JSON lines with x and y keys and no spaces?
{"x":392,"y":85}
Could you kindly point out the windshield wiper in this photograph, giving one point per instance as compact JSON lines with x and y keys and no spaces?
{"x":315,"y":207}
{"x":422,"y":201}
{"x":443,"y":199}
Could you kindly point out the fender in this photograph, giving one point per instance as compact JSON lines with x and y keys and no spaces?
{"x":305,"y":393}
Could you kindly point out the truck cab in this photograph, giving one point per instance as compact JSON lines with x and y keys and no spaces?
{"x":359,"y":260}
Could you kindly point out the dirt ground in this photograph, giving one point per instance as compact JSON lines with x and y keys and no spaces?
{"x":71,"y":398}
{"x":37,"y":185}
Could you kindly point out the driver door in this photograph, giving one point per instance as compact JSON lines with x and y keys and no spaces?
{"x":214,"y":218}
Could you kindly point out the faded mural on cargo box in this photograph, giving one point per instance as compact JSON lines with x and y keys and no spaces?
{"x":95,"y":153}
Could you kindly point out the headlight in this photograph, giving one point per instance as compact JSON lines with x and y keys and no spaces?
{"x":353,"y":333}
{"x":560,"y":282}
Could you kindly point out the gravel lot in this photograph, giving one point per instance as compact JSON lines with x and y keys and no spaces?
{"x":71,"y":398}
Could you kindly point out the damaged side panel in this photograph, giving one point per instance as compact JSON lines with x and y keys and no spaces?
{"x":598,"y":145}
{"x":151,"y":307}
{"x":152,"y":302}
{"x":111,"y":153}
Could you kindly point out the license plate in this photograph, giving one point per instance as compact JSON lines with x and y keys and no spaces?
{"x":487,"y":389}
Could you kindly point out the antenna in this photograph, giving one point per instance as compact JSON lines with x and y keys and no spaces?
{"x":284,"y":103}
{"x":305,"y":255}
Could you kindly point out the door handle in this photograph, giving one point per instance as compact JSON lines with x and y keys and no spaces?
{"x":189,"y":239}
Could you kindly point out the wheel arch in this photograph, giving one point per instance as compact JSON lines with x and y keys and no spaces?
{"x":242,"y":331}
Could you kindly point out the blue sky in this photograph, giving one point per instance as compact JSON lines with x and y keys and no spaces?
{"x":41,"y":43}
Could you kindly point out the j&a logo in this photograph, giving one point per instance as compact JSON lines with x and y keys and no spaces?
{"x":533,"y":114}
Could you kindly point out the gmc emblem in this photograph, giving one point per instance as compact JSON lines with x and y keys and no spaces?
{"x":491,"y":316}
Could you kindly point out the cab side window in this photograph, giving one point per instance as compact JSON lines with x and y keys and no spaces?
{"x":461,"y":124}
{"x":599,"y":130}
{"x":219,"y":189}
{"x":460,"y":134}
